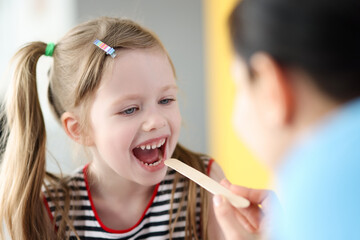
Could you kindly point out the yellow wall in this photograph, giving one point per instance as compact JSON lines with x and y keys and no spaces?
{"x":239,"y":165}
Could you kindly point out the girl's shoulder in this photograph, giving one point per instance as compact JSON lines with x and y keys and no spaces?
{"x":213,"y":169}
{"x":61,"y":184}
{"x":207,"y":160}
{"x":60,"y":191}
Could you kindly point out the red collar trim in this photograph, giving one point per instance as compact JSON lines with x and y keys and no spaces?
{"x":97,"y":216}
{"x":208,"y":170}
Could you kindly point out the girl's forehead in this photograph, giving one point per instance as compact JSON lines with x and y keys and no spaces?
{"x":137,"y":68}
{"x":140,"y":59}
{"x":126,"y":53}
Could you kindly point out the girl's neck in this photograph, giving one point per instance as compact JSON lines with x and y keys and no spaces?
{"x":111,"y":185}
{"x":119,"y":203}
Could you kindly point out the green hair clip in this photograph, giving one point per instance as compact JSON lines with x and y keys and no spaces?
{"x":49,"y":49}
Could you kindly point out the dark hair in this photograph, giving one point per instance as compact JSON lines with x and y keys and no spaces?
{"x":321,"y":37}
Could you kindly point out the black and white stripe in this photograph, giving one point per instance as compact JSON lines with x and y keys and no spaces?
{"x":153,"y":226}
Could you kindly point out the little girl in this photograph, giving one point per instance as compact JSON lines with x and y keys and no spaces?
{"x":112,"y":87}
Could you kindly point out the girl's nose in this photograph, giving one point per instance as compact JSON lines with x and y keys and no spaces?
{"x":153,"y":122}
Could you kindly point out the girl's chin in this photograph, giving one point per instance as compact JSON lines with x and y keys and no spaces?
{"x":151,"y":178}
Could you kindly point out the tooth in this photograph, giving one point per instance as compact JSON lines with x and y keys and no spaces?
{"x":148,"y":147}
{"x":153,"y":146}
{"x":159,"y":144}
{"x":163,"y":141}
{"x":142,"y":147}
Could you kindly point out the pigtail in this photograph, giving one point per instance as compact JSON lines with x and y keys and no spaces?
{"x":3,"y":135}
{"x":23,"y":165}
{"x":191,"y":192}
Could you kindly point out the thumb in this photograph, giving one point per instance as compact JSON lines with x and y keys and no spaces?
{"x":228,"y":219}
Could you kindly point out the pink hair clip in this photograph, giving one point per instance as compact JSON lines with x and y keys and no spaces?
{"x":109,"y":50}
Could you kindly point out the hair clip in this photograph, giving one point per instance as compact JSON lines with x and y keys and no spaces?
{"x":109,"y":50}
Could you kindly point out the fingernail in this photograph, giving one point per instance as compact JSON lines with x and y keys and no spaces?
{"x":217,"y":200}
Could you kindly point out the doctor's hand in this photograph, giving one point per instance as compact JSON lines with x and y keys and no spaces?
{"x":253,"y":218}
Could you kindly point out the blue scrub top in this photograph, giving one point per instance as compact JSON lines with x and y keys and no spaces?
{"x":319,"y":183}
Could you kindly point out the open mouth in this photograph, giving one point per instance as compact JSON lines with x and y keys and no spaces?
{"x":150,"y":154}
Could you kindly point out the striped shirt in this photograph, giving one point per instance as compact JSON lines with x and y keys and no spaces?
{"x":153,"y":224}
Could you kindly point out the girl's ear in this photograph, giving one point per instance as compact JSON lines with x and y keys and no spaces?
{"x":71,"y":126}
{"x":274,"y":91}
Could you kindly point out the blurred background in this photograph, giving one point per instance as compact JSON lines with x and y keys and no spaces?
{"x":195,"y":34}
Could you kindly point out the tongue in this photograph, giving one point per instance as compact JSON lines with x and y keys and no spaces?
{"x":148,"y":155}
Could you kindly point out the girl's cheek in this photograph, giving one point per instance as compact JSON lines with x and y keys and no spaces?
{"x":177,"y":119}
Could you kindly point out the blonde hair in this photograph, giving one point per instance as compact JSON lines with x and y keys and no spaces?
{"x":74,"y":77}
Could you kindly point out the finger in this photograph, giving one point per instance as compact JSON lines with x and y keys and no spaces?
{"x":231,"y":224}
{"x":254,"y":195}
{"x":244,"y":221}
{"x":262,"y":202}
{"x":225,"y":183}
{"x":265,"y":198}
{"x":253,"y":215}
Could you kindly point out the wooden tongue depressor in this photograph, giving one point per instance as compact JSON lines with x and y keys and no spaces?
{"x":206,"y":182}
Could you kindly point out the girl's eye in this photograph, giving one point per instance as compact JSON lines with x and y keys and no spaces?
{"x":129,"y":111}
{"x":166,"y":101}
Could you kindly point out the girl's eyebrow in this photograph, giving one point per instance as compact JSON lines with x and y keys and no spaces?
{"x":171,"y":86}
{"x":137,"y":96}
{"x":123,"y":98}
